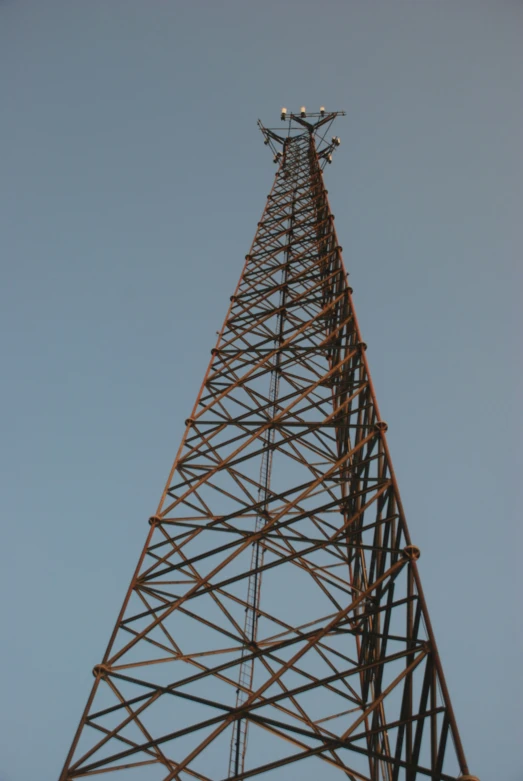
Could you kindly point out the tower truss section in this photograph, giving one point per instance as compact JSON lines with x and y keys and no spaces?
{"x":275,"y":626}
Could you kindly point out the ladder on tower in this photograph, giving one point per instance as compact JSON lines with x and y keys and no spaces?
{"x":250,"y":629}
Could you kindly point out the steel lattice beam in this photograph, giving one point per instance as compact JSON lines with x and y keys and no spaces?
{"x":275,"y":622}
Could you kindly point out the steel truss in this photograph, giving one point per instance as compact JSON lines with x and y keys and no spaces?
{"x":283,"y":476}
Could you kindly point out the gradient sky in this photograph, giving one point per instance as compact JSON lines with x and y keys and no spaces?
{"x":132,"y":176}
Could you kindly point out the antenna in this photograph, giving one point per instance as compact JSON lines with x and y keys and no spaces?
{"x":317,"y":124}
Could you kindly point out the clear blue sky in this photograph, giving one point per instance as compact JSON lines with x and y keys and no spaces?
{"x":132,"y":175}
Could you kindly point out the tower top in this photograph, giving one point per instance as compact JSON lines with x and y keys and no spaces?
{"x":302,"y":122}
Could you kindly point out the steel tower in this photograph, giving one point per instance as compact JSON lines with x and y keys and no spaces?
{"x":275,"y":625}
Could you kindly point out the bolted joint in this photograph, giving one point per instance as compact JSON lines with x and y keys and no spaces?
{"x":381,"y":426}
{"x":215,"y":351}
{"x":154,"y":519}
{"x":100,"y":671}
{"x":331,"y":216}
{"x":340,"y":249}
{"x":411,"y":552}
{"x":233,"y":298}
{"x":351,"y":291}
{"x":361,"y":345}
{"x":189,"y":421}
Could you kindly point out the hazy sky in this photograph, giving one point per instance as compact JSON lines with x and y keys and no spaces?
{"x":132,"y":176}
